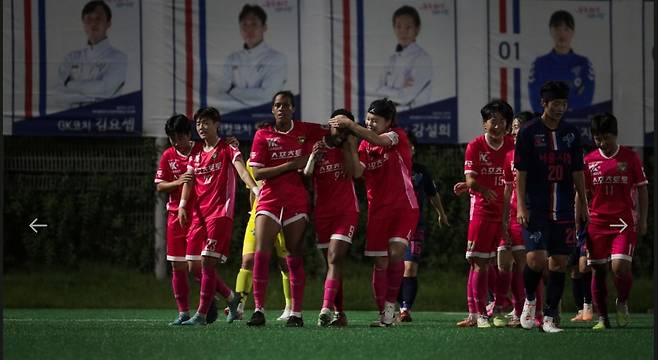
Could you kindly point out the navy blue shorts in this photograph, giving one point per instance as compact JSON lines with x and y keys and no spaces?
{"x":415,"y":248}
{"x":556,"y":237}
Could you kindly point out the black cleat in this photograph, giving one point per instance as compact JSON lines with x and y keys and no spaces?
{"x":211,"y":316}
{"x":257,"y":319}
{"x":294,"y":321}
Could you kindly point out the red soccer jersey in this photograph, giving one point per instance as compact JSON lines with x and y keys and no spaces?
{"x":509,"y":173}
{"x":334,"y":193}
{"x":214,"y":181}
{"x":172,"y":165}
{"x":486,"y":165}
{"x":611,"y":181}
{"x":388,"y":175}
{"x":272,"y":148}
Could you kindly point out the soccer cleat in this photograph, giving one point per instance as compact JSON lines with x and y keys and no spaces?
{"x":483,"y":322}
{"x":602,"y":324}
{"x":588,"y":312}
{"x":514,"y":322}
{"x":233,"y":313}
{"x":528,"y":314}
{"x":257,"y":319}
{"x":578,"y":317}
{"x":340,"y":320}
{"x":294,"y":321}
{"x":212,"y":314}
{"x":549,"y":326}
{"x":499,"y":320}
{"x":490,"y":308}
{"x":284,"y":315}
{"x":380,"y":322}
{"x":405,"y":316}
{"x":179,"y":321}
{"x":470,"y":321}
{"x":623,"y":317}
{"x":325,"y":318}
{"x":196,"y":320}
{"x":388,"y":316}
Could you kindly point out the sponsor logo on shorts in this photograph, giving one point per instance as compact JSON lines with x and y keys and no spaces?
{"x":535,"y":237}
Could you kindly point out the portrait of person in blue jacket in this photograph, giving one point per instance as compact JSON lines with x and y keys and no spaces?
{"x":97,"y":71}
{"x":252,"y":74}
{"x":407,"y":78}
{"x":562,"y":64}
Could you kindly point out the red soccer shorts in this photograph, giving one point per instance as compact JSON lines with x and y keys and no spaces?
{"x":341,"y":227}
{"x":381,"y":231}
{"x":483,"y":238}
{"x":176,"y":238}
{"x":605,"y":242}
{"x":210,"y":237}
{"x":284,"y":212}
{"x":514,"y":230}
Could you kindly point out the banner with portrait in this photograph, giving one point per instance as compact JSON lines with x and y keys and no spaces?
{"x":84,"y":79}
{"x":234,"y":55}
{"x":533,"y":41}
{"x":401,"y":50}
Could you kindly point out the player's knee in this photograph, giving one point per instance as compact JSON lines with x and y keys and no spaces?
{"x":621,"y":267}
{"x":381,"y":263}
{"x":178,"y":266}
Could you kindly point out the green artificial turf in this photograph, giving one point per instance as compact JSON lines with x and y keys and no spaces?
{"x":144,"y":334}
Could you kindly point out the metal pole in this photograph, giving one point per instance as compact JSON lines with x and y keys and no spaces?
{"x":160,"y":222}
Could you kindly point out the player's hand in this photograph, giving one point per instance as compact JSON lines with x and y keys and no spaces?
{"x":232,"y":141}
{"x":583,"y":216}
{"x":182,"y":216}
{"x":506,"y":236}
{"x":185,"y":178}
{"x":443,"y":220}
{"x":319,"y":149}
{"x":340,"y":121}
{"x":522,"y":216}
{"x":460,"y":188}
{"x":298,"y":163}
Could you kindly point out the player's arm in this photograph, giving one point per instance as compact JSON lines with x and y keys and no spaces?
{"x":185,"y":196}
{"x":169,"y":186}
{"x":521,"y":211}
{"x":582,"y":214}
{"x":264,"y":173}
{"x":244,"y":175}
{"x":438,"y":208}
{"x":353,"y":166}
{"x":472,"y":184}
{"x":316,"y":155}
{"x":342,"y":121}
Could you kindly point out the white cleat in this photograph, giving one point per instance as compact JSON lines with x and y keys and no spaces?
{"x":388,"y":317}
{"x":549,"y":326}
{"x":528,"y":314}
{"x":284,"y":315}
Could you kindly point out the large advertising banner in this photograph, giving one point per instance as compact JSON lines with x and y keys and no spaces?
{"x":405,"y":51}
{"x":648,"y":64}
{"x":533,"y":41}
{"x":75,"y":68}
{"x":234,"y":55}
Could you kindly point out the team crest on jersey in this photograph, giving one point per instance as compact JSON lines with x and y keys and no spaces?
{"x":214,"y":156}
{"x":569,"y":139}
{"x":540,"y":140}
{"x":622,"y":166}
{"x":301,"y":139}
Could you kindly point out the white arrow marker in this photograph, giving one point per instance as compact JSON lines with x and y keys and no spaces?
{"x":623,"y":225}
{"x":34,"y":225}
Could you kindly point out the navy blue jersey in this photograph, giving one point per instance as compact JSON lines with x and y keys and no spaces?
{"x":549,"y":157}
{"x":423,"y":186}
{"x":571,"y":68}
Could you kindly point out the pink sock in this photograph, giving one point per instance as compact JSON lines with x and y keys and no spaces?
{"x":518,"y":292}
{"x":208,"y":282}
{"x":297,"y":281}
{"x":338,"y":300}
{"x":260,"y":276}
{"x":480,"y":279}
{"x":600,"y":292}
{"x":196,"y":274}
{"x":623,"y":283}
{"x":502,"y":288}
{"x":181,"y":289}
{"x":222,"y":288}
{"x":379,"y":286}
{"x":470,"y":300}
{"x":394,"y":274}
{"x":330,"y":290}
{"x":539,"y":296}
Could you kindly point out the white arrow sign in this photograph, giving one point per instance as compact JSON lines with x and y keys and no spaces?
{"x":623,"y":225}
{"x":34,"y":225}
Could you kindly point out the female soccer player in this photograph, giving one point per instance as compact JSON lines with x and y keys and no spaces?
{"x":332,"y":166}
{"x":392,"y":206}
{"x":483,"y":169}
{"x":277,"y":153}
{"x":612,"y":172}
{"x":214,"y":169}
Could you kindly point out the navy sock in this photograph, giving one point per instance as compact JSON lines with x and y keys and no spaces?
{"x":554,"y":292}
{"x":409,"y":290}
{"x":577,"y":291}
{"x":530,"y":280}
{"x":587,"y":287}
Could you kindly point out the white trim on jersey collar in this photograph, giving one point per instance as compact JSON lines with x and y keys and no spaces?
{"x":611,"y":156}
{"x":292,"y":126}
{"x":486,"y":140}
